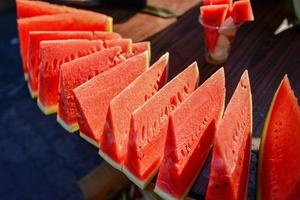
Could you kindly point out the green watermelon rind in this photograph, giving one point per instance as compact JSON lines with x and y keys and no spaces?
{"x":296,"y":6}
{"x":109,"y":160}
{"x":47,"y":110}
{"x":33,"y":93}
{"x":263,"y":139}
{"x":71,"y":128}
{"x":138,"y":182}
{"x":26,"y":76}
{"x":88,"y":139}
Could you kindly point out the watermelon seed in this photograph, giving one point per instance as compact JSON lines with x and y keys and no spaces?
{"x":143,"y":133}
{"x":216,"y":186}
{"x":186,"y":89}
{"x":146,"y":97}
{"x":233,"y":151}
{"x":179,"y":96}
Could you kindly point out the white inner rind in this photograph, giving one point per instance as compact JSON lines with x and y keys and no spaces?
{"x":163,"y":194}
{"x":70,"y":128}
{"x":110,"y":161}
{"x":47,"y":110}
{"x":141,"y":184}
{"x":32,"y":93}
{"x":89,"y":140}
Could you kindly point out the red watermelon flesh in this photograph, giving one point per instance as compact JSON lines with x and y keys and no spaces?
{"x":232,"y":148}
{"x":191,"y":132}
{"x":75,"y":73}
{"x":125,"y":44}
{"x":148,"y":127}
{"x":212,"y":17}
{"x":214,"y":2}
{"x":27,"y":8}
{"x":34,"y":48}
{"x":104,"y":35}
{"x":140,"y":47}
{"x":35,"y":37}
{"x":53,"y":54}
{"x":242,"y":11}
{"x":72,"y":21}
{"x":93,"y":97}
{"x":115,"y":136}
{"x":279,"y":161}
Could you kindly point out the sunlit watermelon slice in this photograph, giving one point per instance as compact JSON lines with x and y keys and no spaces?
{"x":279,"y":161}
{"x":104,"y":35}
{"x":232,"y":147}
{"x":214,"y":2}
{"x":27,"y":8}
{"x":212,"y":16}
{"x":190,"y":136}
{"x":148,"y":127}
{"x":75,"y":73}
{"x":34,"y":48}
{"x":113,"y":145}
{"x":53,"y":54}
{"x":242,"y":11}
{"x":72,"y":21}
{"x":93,"y":97}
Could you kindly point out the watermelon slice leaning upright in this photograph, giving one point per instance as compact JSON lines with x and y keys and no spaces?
{"x":279,"y":161}
{"x":77,"y":72}
{"x":232,"y":147}
{"x":84,"y":21}
{"x":113,"y":145}
{"x":214,"y":2}
{"x":148,"y":128}
{"x":54,"y":53}
{"x":93,"y":97}
{"x":212,"y":16}
{"x":190,"y":136}
{"x":35,"y":37}
{"x":27,"y":8}
{"x":33,"y":58}
{"x":242,"y":11}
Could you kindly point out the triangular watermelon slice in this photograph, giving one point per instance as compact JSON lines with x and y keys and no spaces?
{"x":73,"y":21}
{"x":54,"y":53}
{"x":242,"y":11}
{"x":148,"y":127}
{"x":232,"y":148}
{"x":93,"y":97}
{"x":214,"y":2}
{"x":35,"y":37}
{"x":34,"y":48}
{"x":279,"y":161}
{"x":104,"y":35}
{"x":113,"y":145}
{"x":78,"y":72}
{"x":190,"y":136}
{"x":26,"y":8}
{"x":212,"y":16}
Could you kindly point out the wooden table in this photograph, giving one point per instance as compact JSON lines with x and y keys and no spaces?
{"x":267,"y":57}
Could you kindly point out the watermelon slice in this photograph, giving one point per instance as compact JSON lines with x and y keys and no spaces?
{"x":148,"y":127}
{"x":190,"y":135}
{"x":53,"y":54}
{"x":75,"y":73}
{"x":278,"y":171}
{"x":72,"y":21}
{"x":231,"y":153}
{"x":27,"y":8}
{"x":214,"y":2}
{"x":115,"y":137}
{"x":93,"y":97}
{"x":242,"y":11}
{"x":212,"y":16}
{"x":104,"y":35}
{"x":34,"y":48}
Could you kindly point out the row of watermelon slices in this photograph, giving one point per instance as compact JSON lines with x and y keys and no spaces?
{"x":142,"y":125}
